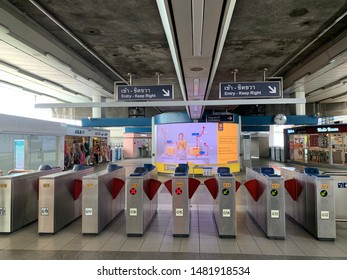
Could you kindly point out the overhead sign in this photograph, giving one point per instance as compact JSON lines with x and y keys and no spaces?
{"x":156,"y":92}
{"x":250,"y":90}
{"x":220,"y":118}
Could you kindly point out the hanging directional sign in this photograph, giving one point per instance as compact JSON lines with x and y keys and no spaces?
{"x":268,"y":89}
{"x":220,"y":118}
{"x":154,"y":92}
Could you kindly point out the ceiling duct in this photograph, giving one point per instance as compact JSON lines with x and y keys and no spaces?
{"x":200,"y":27}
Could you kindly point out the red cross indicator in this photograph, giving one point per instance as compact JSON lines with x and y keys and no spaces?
{"x":178,"y":191}
{"x":132,"y":191}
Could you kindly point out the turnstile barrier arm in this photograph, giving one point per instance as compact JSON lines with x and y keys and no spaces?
{"x":212,"y":186}
{"x":77,"y":190}
{"x":168,"y":185}
{"x":152,"y":188}
{"x":237,"y":184}
{"x":254,"y":189}
{"x":193,"y":184}
{"x":117,"y":186}
{"x":293,"y":188}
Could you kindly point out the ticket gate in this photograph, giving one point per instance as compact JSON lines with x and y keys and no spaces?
{"x":340,"y":188}
{"x":265,"y":201}
{"x":60,"y":201}
{"x":103,"y":198}
{"x":19,"y":197}
{"x":310,"y":201}
{"x":182,"y":188}
{"x":223,"y":188}
{"x":141,"y":199}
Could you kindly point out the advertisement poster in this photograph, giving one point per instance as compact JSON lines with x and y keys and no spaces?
{"x":197,"y":143}
{"x":19,"y":154}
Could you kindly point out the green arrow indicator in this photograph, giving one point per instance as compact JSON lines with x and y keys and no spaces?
{"x":324,"y":193}
{"x":225,"y":191}
{"x":274,"y":192}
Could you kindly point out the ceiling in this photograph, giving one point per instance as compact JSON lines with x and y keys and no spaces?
{"x":76,"y":50}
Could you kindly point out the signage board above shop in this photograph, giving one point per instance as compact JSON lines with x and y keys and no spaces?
{"x":338,"y":128}
{"x":152,"y":92}
{"x":268,"y":89}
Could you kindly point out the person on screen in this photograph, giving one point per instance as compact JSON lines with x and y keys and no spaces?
{"x":181,"y":146}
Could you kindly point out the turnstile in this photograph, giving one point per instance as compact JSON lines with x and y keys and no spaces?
{"x":340,"y":188}
{"x":142,"y":199}
{"x":223,"y":188}
{"x":60,"y":201}
{"x":310,"y":201}
{"x":19,"y":197}
{"x":265,"y":201}
{"x":103,"y":198}
{"x":182,"y":187}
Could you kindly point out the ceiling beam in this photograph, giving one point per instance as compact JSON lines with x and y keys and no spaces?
{"x":173,"y":103}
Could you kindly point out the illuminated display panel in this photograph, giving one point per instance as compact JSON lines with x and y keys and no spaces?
{"x":196,"y":143}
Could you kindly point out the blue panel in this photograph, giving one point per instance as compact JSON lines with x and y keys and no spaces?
{"x":268,"y":120}
{"x":137,"y":129}
{"x":254,"y":128}
{"x":257,"y":120}
{"x":110,"y":122}
{"x":172,"y":117}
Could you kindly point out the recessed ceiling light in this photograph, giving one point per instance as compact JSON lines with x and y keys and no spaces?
{"x":197,"y":69}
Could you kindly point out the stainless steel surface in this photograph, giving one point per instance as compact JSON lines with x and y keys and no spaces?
{"x":269,"y":210}
{"x":19,"y":198}
{"x":57,"y":207}
{"x":340,"y":186}
{"x":180,"y":206}
{"x":99,"y":207}
{"x":314,"y":208}
{"x":224,"y":208}
{"x":140,"y":209}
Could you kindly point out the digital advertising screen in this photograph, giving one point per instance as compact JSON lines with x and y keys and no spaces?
{"x":205,"y":144}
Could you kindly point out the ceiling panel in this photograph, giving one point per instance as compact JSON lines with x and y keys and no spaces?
{"x":130,"y":38}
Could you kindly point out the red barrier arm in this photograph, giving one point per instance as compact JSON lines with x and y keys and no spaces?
{"x":168,"y":185}
{"x":254,"y":189}
{"x":38,"y":187}
{"x":117,"y":186}
{"x":77,"y":189}
{"x":151,"y":188}
{"x":212,"y":186}
{"x":293,"y":188}
{"x":237,"y":184}
{"x":193,"y":184}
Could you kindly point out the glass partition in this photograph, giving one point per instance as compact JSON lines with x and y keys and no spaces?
{"x":28,"y":151}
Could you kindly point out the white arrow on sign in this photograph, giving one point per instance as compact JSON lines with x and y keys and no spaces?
{"x":272,"y":89}
{"x":166,"y":93}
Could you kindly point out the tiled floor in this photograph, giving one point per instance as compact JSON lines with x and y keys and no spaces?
{"x":158,"y":242}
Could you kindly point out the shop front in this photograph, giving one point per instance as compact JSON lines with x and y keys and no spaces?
{"x":326,"y":144}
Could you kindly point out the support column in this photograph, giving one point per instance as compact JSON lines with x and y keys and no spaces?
{"x":96,"y":111}
{"x":300,"y":93}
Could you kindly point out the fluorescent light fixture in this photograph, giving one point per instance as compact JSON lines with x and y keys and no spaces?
{"x":9,"y":66}
{"x":53,"y":85}
{"x":197,"y":24}
{"x":4,"y":29}
{"x":224,"y":28}
{"x":10,"y":86}
{"x":196,"y":87}
{"x":165,"y":16}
